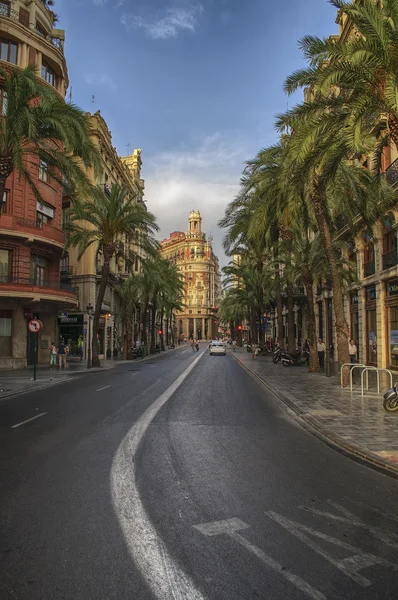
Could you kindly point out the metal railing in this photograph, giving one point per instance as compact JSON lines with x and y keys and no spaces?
{"x":392,"y":173}
{"x":369,"y":269}
{"x":364,"y":373}
{"x":7,"y":11}
{"x":390,"y":259}
{"x":53,"y":284}
{"x":29,"y":223}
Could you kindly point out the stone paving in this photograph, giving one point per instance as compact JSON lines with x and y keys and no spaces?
{"x":357,"y":423}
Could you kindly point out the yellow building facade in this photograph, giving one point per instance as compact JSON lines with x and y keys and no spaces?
{"x":198,"y":266}
{"x":85,"y":274}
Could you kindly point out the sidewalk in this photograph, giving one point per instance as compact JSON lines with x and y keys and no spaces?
{"x":359,"y":426}
{"x":18,"y":381}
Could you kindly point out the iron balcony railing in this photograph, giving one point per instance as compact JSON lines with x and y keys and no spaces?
{"x":390,"y":259}
{"x":369,"y":269}
{"x":392,"y":173}
{"x":32,"y":282}
{"x":29,"y":223}
{"x":67,"y":271}
{"x":7,"y":11}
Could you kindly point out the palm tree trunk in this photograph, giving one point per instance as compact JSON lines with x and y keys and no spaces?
{"x":290,"y":318}
{"x":279,"y":306}
{"x":153,"y":324}
{"x":342,"y":331}
{"x":144,"y":337}
{"x":167,"y":330}
{"x":98,"y":305}
{"x":311,"y":327}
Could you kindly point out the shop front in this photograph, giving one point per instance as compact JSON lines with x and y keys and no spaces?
{"x":354,"y":321}
{"x":392,"y":323}
{"x":371,"y":325}
{"x":71,"y":327}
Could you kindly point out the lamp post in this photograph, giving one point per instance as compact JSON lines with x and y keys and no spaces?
{"x":89,"y":309}
{"x":326,"y":296}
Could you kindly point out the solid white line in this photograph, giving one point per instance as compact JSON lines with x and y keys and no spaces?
{"x":28,"y":420}
{"x":104,"y":388}
{"x":147,"y":549}
{"x":136,"y":373}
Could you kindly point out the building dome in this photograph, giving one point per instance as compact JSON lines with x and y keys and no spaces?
{"x":195,"y":221}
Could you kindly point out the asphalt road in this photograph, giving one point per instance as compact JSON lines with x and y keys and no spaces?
{"x":151,"y":481}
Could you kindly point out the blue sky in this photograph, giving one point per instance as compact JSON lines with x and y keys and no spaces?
{"x":195,"y":85}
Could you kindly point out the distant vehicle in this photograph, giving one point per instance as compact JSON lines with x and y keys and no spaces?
{"x":217,"y":347}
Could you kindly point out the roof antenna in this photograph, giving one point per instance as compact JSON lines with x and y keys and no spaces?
{"x":93,"y":99}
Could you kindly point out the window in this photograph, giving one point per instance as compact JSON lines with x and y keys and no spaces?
{"x":43,"y":171}
{"x":3,"y":102}
{"x":43,"y":219}
{"x":4,"y":265}
{"x":8,"y":51}
{"x":4,"y":9}
{"x":38,"y":270}
{"x":5,"y":332}
{"x":5,"y":203}
{"x":48,"y":74}
{"x":40,"y":29}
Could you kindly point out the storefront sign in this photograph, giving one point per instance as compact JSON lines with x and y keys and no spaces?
{"x":45,"y":210}
{"x":71,"y":320}
{"x":62,"y":315}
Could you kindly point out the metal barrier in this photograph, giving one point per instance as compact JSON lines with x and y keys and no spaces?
{"x":378,"y":371}
{"x":352,"y":367}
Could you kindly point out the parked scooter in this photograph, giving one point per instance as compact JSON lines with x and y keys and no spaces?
{"x":134,"y":353}
{"x":277,"y":355}
{"x":300,"y":358}
{"x":390,"y":402}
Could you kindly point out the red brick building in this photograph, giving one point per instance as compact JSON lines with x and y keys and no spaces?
{"x":31,"y":236}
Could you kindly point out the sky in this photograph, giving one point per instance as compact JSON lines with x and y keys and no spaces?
{"x":195,"y":84}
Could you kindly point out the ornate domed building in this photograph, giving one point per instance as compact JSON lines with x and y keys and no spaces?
{"x":193,"y":255}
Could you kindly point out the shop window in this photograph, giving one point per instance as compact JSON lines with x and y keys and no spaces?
{"x":5,"y":263}
{"x":8,"y":51}
{"x":48,"y":74}
{"x":393,"y":336}
{"x":3,"y":102}
{"x":5,"y":332}
{"x":43,"y":171}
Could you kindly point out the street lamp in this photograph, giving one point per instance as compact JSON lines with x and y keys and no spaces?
{"x":326,"y":296}
{"x":89,"y":309}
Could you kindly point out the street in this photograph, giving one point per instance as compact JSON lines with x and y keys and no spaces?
{"x":180,"y":477}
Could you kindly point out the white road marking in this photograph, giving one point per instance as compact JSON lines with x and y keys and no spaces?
{"x":28,"y":420}
{"x":185,"y":351}
{"x":350,"y":566}
{"x":136,"y":373}
{"x":103,"y":388}
{"x":152,"y":366}
{"x":150,"y":387}
{"x":231,"y":527}
{"x":162,"y":574}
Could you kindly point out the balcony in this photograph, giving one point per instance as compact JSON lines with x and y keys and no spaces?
{"x":22,"y":19}
{"x":42,"y":232}
{"x":392,"y":173}
{"x":66,"y":272}
{"x":390,"y":259}
{"x":30,"y":288}
{"x":369,"y":269}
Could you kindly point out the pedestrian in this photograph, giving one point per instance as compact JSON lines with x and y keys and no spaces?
{"x":321,"y":352}
{"x":254,"y":350}
{"x":234,"y":345}
{"x":352,"y":350}
{"x":62,"y":355}
{"x":53,"y":355}
{"x":197,"y":345}
{"x":80,"y":347}
{"x":306,"y":346}
{"x":193,"y":346}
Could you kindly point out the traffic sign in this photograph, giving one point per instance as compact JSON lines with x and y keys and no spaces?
{"x":34,"y":326}
{"x":63,"y":315}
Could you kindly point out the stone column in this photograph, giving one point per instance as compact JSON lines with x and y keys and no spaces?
{"x":381,"y":324}
{"x":194,"y":328}
{"x":203,"y":329}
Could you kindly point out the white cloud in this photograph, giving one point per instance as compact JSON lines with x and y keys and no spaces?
{"x":167,"y":23}
{"x":204,"y":178}
{"x":101,"y":79}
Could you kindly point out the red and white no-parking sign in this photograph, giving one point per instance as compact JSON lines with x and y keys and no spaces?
{"x":34,"y":326}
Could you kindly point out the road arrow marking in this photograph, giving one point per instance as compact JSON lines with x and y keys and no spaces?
{"x":232,"y":527}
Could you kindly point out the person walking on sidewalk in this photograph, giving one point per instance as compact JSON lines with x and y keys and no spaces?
{"x":321,"y":352}
{"x":80,"y":347}
{"x":352,"y":350}
{"x":62,"y":355}
{"x":53,"y":355}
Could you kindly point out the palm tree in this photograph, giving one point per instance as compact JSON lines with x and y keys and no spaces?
{"x":128,"y":293}
{"x":39,"y":126}
{"x":104,"y":222}
{"x":363,"y":67}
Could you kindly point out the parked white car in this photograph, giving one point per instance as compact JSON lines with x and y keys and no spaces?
{"x":217,"y":347}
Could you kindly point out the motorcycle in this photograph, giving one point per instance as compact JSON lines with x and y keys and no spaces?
{"x":277,"y":355}
{"x":390,"y":402}
{"x":300,"y":358}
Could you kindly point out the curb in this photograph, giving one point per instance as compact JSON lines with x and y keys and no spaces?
{"x":331,"y":439}
{"x":70,"y":376}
